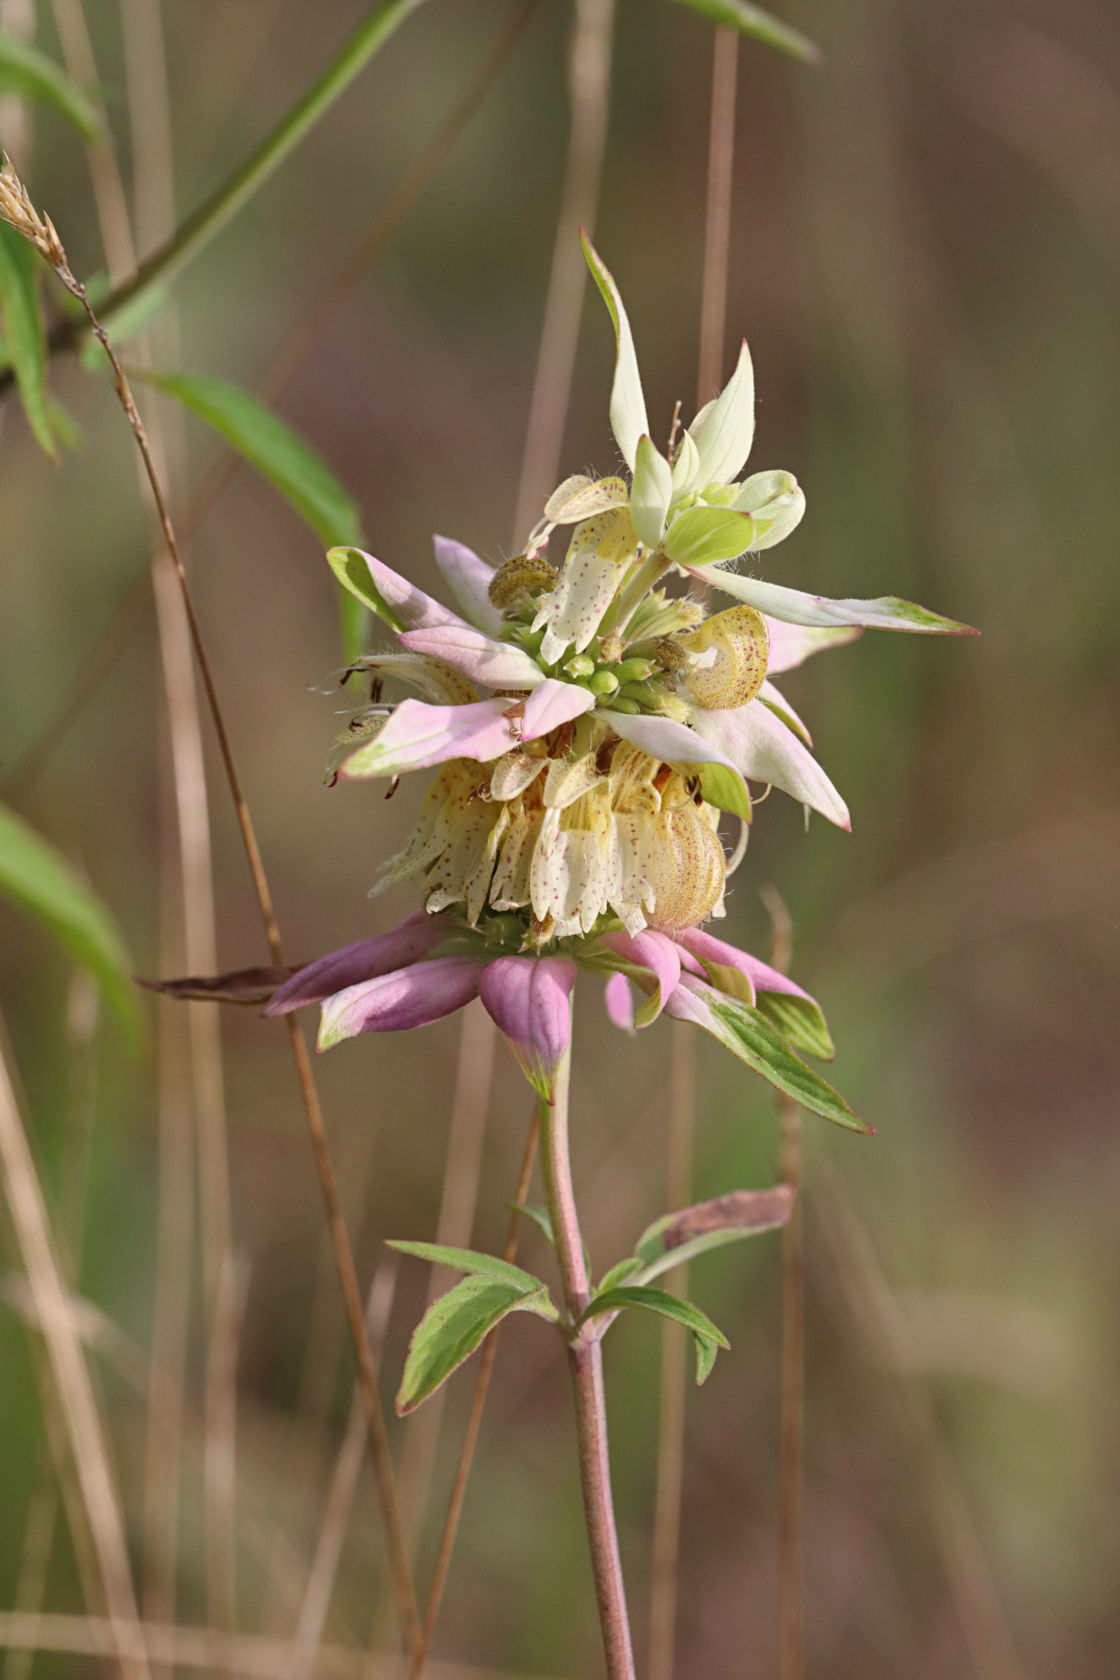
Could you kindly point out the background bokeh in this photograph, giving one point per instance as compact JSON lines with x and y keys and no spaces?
{"x":925,"y":253}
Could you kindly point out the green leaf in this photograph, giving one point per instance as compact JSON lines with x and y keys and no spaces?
{"x":678,"y":1238}
{"x":628,"y":405}
{"x":470,"y":1260}
{"x":450,"y":1331}
{"x":278,"y":453}
{"x":722,"y":787}
{"x":749,"y":1035}
{"x":26,"y":71}
{"x":23,"y":331}
{"x":760,"y":25}
{"x":619,"y":1273}
{"x":36,"y":877}
{"x":349,"y":567}
{"x":703,"y":536}
{"x":539,"y":1216}
{"x":707,"y":1337}
{"x":800,"y":1021}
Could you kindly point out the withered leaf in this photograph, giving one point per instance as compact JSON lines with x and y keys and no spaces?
{"x":242,"y":985}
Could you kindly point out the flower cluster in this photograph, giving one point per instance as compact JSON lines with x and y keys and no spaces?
{"x":589,"y":724}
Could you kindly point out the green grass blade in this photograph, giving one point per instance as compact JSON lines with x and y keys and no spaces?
{"x":37,"y":878}
{"x":24,"y":343}
{"x":760,"y":25}
{"x":26,"y":71}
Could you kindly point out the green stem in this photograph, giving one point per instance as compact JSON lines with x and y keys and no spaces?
{"x":585,"y":1357}
{"x":193,"y":235}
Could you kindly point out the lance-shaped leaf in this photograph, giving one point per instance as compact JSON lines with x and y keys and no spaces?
{"x":23,"y":329}
{"x":794,"y":606}
{"x":702,"y":536}
{"x":619,"y":1273}
{"x":749,"y":1035}
{"x":707,"y":1337}
{"x":679,"y":1237}
{"x":35,"y":876}
{"x":26,"y":71}
{"x":452,"y":1328}
{"x":760,"y":25}
{"x":269,"y":444}
{"x":651,"y":493}
{"x":472,"y":1261}
{"x":628,"y":405}
{"x":240,"y":985}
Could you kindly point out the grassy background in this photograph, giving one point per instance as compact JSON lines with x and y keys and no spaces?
{"x":925,"y":244}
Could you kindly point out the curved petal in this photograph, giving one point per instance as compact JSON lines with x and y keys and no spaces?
{"x":529,"y":1000}
{"x":413,"y":608}
{"x":886,"y":612}
{"x":618,"y":1000}
{"x":407,"y":997}
{"x":665,"y":739}
{"x":792,"y":644}
{"x":364,"y":960}
{"x":552,"y":703}
{"x":417,"y":735}
{"x":478,"y":656}
{"x":762,"y":749}
{"x":468,"y":577}
{"x":657,"y":953}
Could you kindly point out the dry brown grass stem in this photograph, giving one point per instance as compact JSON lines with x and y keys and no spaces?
{"x":340,"y":1495}
{"x":470,"y":1109}
{"x":129,"y":613}
{"x":717,"y":220}
{"x":589,"y":72}
{"x":207,"y":1650}
{"x":881,"y":1319}
{"x":46,"y":238}
{"x":474,"y":1424}
{"x":85,"y":1431}
{"x":674,"y":1354}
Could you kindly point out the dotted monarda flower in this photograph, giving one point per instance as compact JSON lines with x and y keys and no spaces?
{"x":589,"y":725}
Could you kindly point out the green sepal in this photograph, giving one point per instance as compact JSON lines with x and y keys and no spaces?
{"x":469,"y":1260}
{"x":451,"y":1329}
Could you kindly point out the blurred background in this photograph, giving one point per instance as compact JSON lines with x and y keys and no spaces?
{"x":924,"y":254}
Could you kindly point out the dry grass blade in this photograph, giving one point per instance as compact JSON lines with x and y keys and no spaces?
{"x":21,"y":212}
{"x":206,"y":1650}
{"x":589,"y":83}
{"x":717,"y":221}
{"x":85,"y":1433}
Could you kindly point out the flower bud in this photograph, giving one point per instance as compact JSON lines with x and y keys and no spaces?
{"x":525,"y":574}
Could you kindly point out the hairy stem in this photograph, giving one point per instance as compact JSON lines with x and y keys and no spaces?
{"x":585,"y":1355}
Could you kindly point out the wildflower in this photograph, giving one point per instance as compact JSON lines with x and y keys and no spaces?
{"x":432,"y":965}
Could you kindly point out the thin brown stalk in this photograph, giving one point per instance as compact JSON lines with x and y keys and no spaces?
{"x":717,"y":221}
{"x":17,"y":19}
{"x":589,"y":73}
{"x":674,"y":1353}
{"x":417,"y":178}
{"x":340,"y":1496}
{"x":470,"y":1108}
{"x":878,"y":1314}
{"x":109,"y":196}
{"x":474,"y":1424}
{"x":85,"y":1432}
{"x":46,"y":238}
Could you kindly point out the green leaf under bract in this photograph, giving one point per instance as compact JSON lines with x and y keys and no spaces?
{"x":24,"y":341}
{"x":706,"y":1335}
{"x":270,"y":445}
{"x":760,"y":25}
{"x":800,"y":1021}
{"x":450,"y":1331}
{"x":722,"y":787}
{"x":35,"y":876}
{"x":749,"y":1035}
{"x":26,"y":71}
{"x":470,"y":1260}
